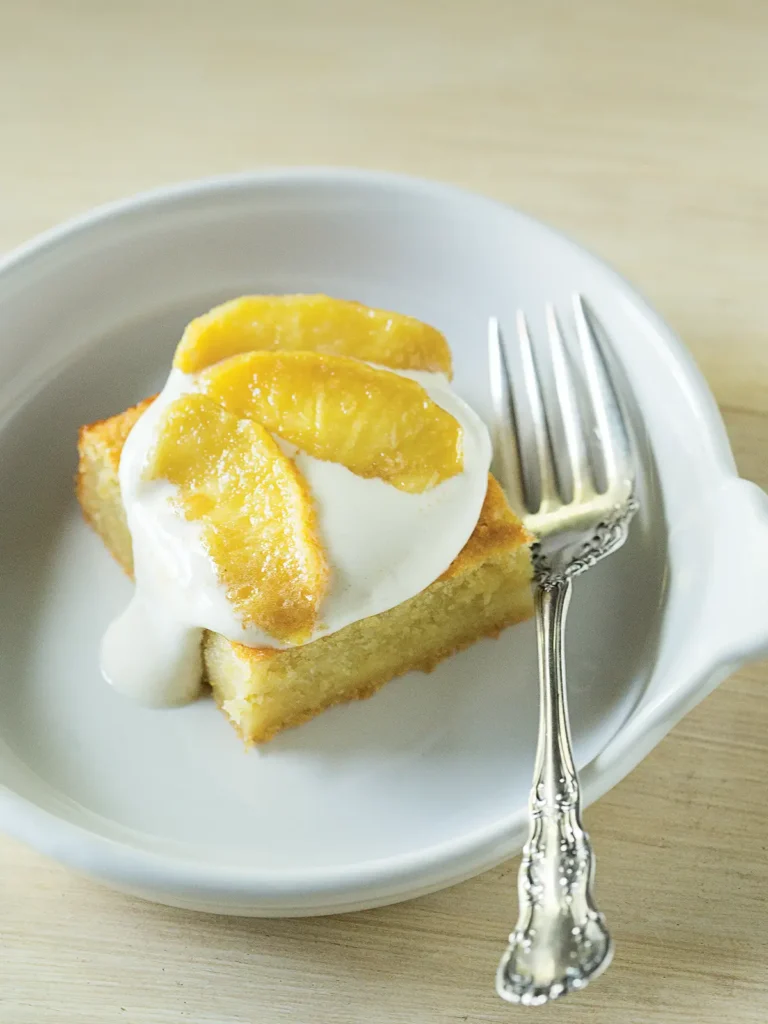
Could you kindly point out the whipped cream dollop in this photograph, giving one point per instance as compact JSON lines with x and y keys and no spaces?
{"x":383,"y":546}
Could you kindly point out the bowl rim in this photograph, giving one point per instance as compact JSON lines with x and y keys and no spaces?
{"x":387,"y":879}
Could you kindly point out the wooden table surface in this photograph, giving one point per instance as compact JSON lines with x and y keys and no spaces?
{"x":639,"y":128}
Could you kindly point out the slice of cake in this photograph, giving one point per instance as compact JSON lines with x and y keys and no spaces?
{"x":323,"y":523}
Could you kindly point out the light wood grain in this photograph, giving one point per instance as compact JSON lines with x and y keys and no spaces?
{"x":640,"y":129}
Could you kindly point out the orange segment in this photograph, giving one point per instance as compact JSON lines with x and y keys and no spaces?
{"x":259,"y":520}
{"x":374,"y":422}
{"x":315,"y":323}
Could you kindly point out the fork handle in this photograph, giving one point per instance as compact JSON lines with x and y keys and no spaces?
{"x":555,"y":794}
{"x":560,"y":940}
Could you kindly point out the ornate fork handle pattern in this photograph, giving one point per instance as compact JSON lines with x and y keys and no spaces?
{"x":560,"y":941}
{"x":609,"y":535}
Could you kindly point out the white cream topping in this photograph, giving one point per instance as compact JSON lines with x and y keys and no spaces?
{"x":383,"y":547}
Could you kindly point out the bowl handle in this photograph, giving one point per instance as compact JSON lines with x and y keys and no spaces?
{"x":736,"y":604}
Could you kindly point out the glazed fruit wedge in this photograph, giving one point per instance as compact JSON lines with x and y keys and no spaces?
{"x":258,"y":517}
{"x":374,"y":422}
{"x":317,"y":323}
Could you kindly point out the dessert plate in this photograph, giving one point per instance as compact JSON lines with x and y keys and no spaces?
{"x":426,"y":783}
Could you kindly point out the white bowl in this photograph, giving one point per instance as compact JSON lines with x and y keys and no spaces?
{"x":426,"y":783}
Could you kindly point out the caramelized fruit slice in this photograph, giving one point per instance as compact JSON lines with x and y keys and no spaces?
{"x":258,"y":517}
{"x":314,"y":323}
{"x":374,"y":422}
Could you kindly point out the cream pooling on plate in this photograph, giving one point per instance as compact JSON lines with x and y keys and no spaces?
{"x":383,"y":546}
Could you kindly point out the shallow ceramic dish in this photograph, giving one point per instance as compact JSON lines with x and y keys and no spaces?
{"x":426,"y":783}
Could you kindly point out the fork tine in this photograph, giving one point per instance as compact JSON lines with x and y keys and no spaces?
{"x":505,"y":445}
{"x":569,"y":411}
{"x":609,"y":420}
{"x":547,"y":481}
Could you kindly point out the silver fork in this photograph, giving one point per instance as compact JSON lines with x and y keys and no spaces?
{"x":560,"y":941}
